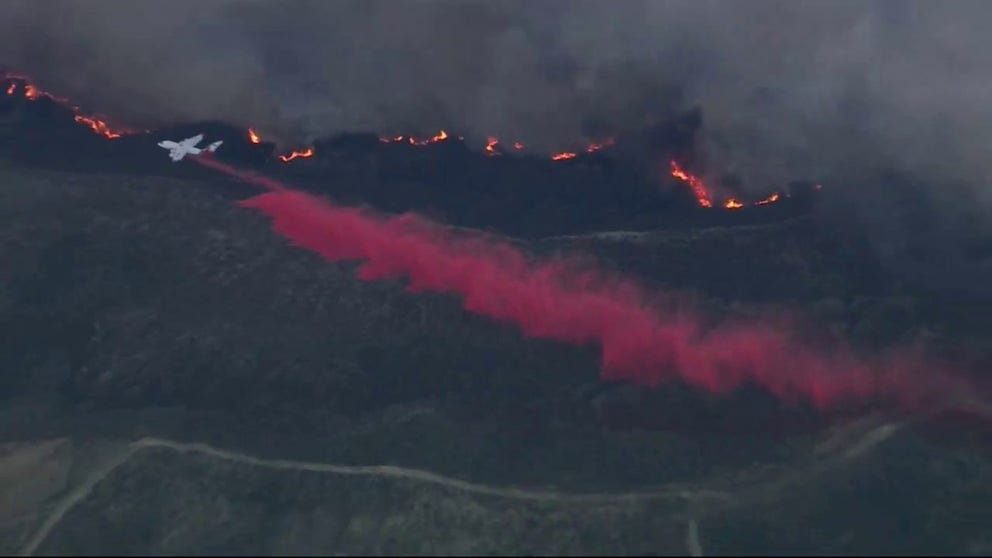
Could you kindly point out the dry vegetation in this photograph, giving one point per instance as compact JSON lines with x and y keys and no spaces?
{"x":140,"y":306}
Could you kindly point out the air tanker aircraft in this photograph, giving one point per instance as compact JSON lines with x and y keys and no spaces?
{"x":178,"y":150}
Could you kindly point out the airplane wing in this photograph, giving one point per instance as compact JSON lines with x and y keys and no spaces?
{"x":191,"y":142}
{"x":178,"y":150}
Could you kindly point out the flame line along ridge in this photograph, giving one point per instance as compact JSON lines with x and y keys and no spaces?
{"x":703,"y":198}
{"x":20,"y":84}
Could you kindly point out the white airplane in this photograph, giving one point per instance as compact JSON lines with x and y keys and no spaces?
{"x":178,"y":150}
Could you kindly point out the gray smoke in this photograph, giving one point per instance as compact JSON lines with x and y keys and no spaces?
{"x":832,"y":90}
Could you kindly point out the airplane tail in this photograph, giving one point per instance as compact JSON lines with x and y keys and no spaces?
{"x":213,"y":146}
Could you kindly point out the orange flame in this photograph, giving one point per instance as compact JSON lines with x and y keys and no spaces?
{"x":308,"y":152}
{"x":33,"y":93}
{"x":593,"y":147}
{"x":491,"y":144}
{"x":97,"y":126}
{"x":770,"y":199}
{"x":301,"y":153}
{"x":698,"y":188}
{"x":442,"y":135}
{"x":733,"y":204}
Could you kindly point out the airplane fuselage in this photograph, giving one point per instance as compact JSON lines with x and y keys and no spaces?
{"x":180,"y":149}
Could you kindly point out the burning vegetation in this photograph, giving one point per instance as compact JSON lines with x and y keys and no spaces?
{"x":18,"y":85}
{"x":703,"y":197}
{"x":440,"y":136}
{"x":302,"y":153}
{"x":697,"y":186}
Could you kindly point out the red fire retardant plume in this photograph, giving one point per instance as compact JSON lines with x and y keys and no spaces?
{"x":556,"y":300}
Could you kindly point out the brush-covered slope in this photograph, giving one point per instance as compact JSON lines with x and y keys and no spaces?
{"x":135,"y":306}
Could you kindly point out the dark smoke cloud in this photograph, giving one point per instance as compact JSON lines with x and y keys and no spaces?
{"x":836,"y":91}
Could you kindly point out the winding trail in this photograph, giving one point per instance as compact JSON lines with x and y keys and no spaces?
{"x":74,"y":497}
{"x":690,"y":495}
{"x":78,"y":494}
{"x":392,"y":471}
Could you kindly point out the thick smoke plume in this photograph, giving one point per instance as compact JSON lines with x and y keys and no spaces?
{"x":639,"y":340}
{"x":789,"y":88}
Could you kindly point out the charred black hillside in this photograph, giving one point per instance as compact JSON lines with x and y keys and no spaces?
{"x":626,"y":186}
